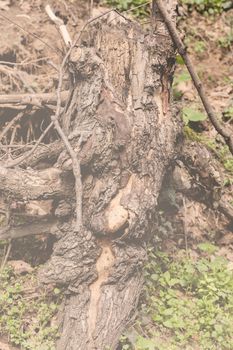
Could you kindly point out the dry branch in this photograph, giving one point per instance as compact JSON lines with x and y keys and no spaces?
{"x":37,"y":100}
{"x":60,"y":24}
{"x":22,"y":158}
{"x":43,"y":153}
{"x":32,"y":184}
{"x":27,"y":230}
{"x":55,"y":120}
{"x":76,"y":172}
{"x":10,"y":124}
{"x":4,"y":261}
{"x":219,"y":127}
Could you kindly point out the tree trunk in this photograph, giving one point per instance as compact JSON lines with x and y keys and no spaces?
{"x":119,"y":119}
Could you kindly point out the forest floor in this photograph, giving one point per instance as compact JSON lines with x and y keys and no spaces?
{"x":187,"y":302}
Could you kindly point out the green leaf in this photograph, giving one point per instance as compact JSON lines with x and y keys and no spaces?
{"x":56,"y":291}
{"x":207,"y":247}
{"x":145,"y":344}
{"x":167,"y":276}
{"x":168,"y":312}
{"x":192,"y":115}
{"x":179,"y":60}
{"x":168,"y":324}
{"x":182,"y":77}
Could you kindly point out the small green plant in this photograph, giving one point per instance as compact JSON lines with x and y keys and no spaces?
{"x":228,"y":113}
{"x":26,"y":321}
{"x":207,"y":247}
{"x":187,"y":304}
{"x":226,"y":158}
{"x":222,"y":152}
{"x":125,"y":5}
{"x":199,"y":46}
{"x":226,"y":42}
{"x":192,"y":115}
{"x":182,"y":77}
{"x":207,"y":6}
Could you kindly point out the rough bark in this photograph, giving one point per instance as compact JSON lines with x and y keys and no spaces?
{"x":27,"y":230}
{"x":120,"y":111}
{"x":35,"y":184}
{"x":119,"y":120}
{"x":34,"y":100}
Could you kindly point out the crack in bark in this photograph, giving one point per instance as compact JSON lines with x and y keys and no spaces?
{"x":103,"y":266}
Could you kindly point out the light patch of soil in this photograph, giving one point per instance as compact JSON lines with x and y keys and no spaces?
{"x":213,"y":61}
{"x":31,"y":41}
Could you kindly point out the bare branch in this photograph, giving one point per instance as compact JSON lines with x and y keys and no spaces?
{"x":4,"y":261}
{"x":27,"y":230}
{"x":219,"y":127}
{"x":37,"y":100}
{"x":19,"y":160}
{"x":60,"y":24}
{"x":24,"y":63}
{"x":10,"y":124}
{"x":76,"y":171}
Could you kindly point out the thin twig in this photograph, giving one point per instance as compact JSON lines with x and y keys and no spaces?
{"x":12,"y":106}
{"x":60,"y":24}
{"x":32,"y":62}
{"x":19,"y":160}
{"x":137,"y":7}
{"x":76,"y":171}
{"x":75,"y":161}
{"x":32,"y":99}
{"x":6,"y":256}
{"x":129,"y":10}
{"x":13,"y":134}
{"x":219,"y":127}
{"x":91,"y":8}
{"x":12,"y":73}
{"x":10,"y":124}
{"x":18,"y":146}
{"x":185,"y":227}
